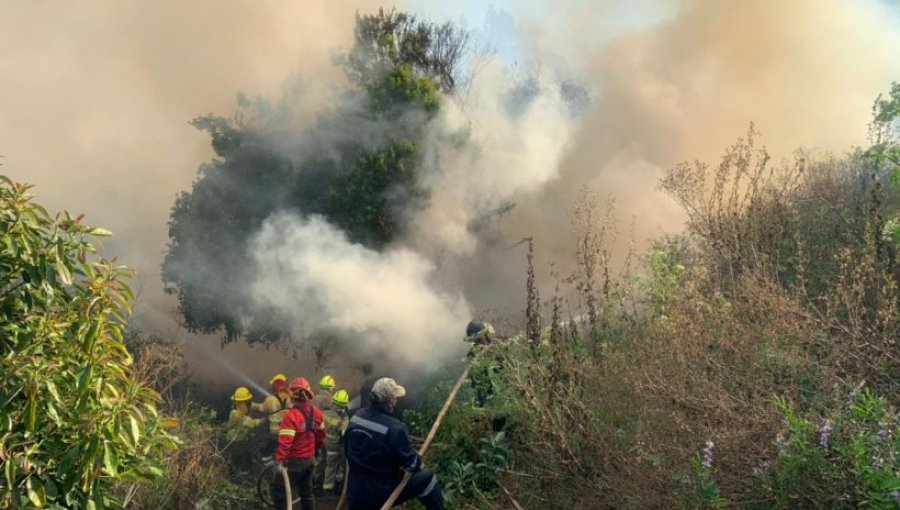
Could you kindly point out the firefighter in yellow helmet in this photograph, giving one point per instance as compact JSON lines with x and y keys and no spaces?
{"x":336,"y":422}
{"x":274,"y":406}
{"x":322,"y":401}
{"x":240,"y":413}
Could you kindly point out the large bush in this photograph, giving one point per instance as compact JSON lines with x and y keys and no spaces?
{"x":73,"y":418}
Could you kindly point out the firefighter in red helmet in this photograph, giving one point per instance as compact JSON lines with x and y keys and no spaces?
{"x":300,"y":435}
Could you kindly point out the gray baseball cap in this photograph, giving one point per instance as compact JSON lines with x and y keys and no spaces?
{"x":387,"y":388}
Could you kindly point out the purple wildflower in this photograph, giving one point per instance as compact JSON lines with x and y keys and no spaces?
{"x":851,"y":397}
{"x":882,"y":430}
{"x":896,"y":494}
{"x":708,"y":455}
{"x":761,"y":469}
{"x":781,"y":443}
{"x":825,"y":434}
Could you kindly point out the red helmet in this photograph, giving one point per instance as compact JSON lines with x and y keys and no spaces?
{"x":300,"y":384}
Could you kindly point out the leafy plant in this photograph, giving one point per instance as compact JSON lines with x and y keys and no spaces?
{"x":73,"y":417}
{"x":703,"y":491}
{"x":848,"y":459}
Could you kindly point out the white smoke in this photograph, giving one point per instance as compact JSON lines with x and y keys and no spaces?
{"x":487,"y":152}
{"x":379,"y":303}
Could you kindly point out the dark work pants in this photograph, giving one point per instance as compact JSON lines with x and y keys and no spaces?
{"x":369,"y":492}
{"x":300,"y":472}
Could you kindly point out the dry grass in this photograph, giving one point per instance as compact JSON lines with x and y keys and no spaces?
{"x":786,"y":292}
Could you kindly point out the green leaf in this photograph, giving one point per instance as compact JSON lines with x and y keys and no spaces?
{"x":54,"y":415}
{"x":64,"y":274}
{"x":35,"y":492}
{"x":30,"y":415}
{"x":100,"y":232}
{"x":135,"y":429}
{"x":52,"y":390}
{"x":110,"y":460}
{"x":9,"y":470}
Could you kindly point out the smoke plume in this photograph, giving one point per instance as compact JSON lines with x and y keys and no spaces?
{"x":379,"y":303}
{"x":96,"y":102}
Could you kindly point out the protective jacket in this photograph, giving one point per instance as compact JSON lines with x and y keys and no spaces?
{"x":301,"y":433}
{"x":378,"y":444}
{"x":241,"y":419}
{"x":378,"y":449}
{"x":336,"y":423}
{"x":275,"y":409}
{"x":322,"y":400}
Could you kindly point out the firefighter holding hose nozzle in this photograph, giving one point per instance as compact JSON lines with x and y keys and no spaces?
{"x":274,"y":406}
{"x":378,"y":451}
{"x":300,"y":435}
{"x":240,"y":412}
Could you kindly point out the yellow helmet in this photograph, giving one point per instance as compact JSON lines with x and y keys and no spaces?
{"x":277,"y":377}
{"x":326,"y":382}
{"x":242,"y":394}
{"x":341,"y":398}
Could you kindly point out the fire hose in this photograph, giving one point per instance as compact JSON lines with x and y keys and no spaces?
{"x":422,"y":450}
{"x":287,"y":488}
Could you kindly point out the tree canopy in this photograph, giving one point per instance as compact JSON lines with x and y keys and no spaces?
{"x":358,"y":165}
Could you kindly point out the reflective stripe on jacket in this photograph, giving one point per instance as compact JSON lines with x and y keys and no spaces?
{"x":301,"y":432}
{"x":378,"y":444}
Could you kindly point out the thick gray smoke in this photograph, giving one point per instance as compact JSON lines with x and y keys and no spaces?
{"x":405,"y":304}
{"x":95,"y":109}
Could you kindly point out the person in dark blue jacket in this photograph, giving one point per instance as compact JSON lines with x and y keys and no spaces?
{"x":379,"y":451}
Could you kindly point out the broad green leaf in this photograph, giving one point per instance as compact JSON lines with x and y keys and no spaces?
{"x":100,"y":232}
{"x":110,"y":460}
{"x":35,"y":492}
{"x":54,"y":415}
{"x":135,"y":429}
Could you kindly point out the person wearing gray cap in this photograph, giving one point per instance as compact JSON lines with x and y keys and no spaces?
{"x":378,"y":450}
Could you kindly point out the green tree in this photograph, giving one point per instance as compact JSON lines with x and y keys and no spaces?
{"x":885,"y":150}
{"x":358,"y":165}
{"x":73,"y":418}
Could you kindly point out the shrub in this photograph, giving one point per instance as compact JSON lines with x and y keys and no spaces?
{"x":847,"y":458}
{"x":73,"y":417}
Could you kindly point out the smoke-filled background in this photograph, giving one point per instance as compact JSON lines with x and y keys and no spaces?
{"x":95,"y":104}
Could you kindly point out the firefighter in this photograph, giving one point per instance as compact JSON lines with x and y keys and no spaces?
{"x":240,"y":413}
{"x":480,"y":334}
{"x":378,"y":451}
{"x":322,"y":400}
{"x":274,"y":406}
{"x":336,"y":422}
{"x":300,"y":435}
